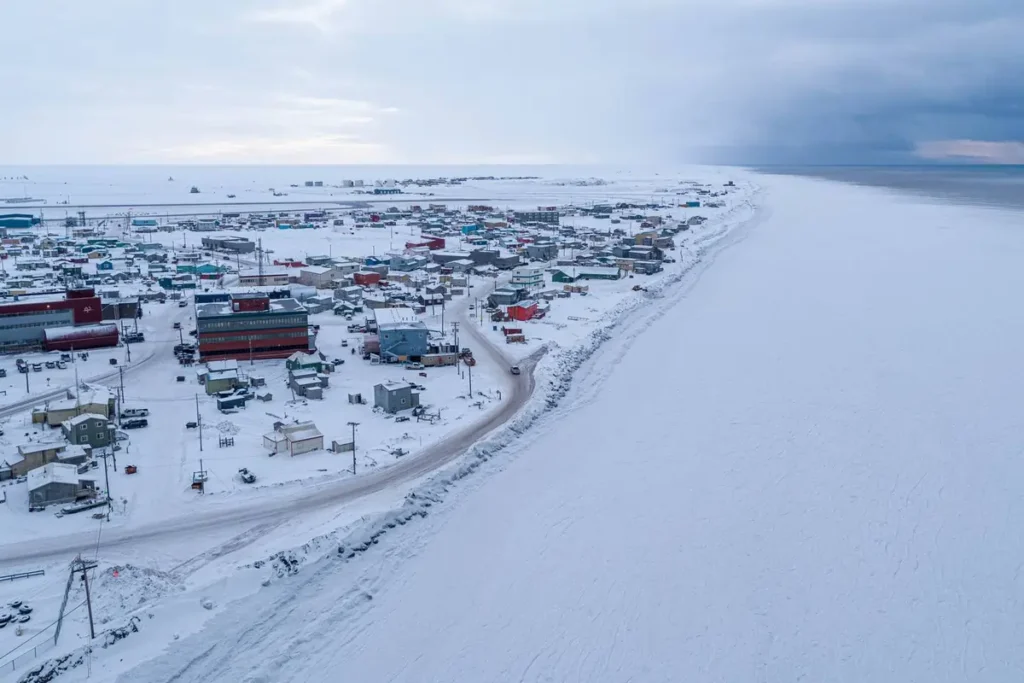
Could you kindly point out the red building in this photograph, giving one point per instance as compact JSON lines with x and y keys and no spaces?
{"x":429,"y":241}
{"x":252,"y":326}
{"x":366,"y":277}
{"x":523,"y":311}
{"x":23,"y":322}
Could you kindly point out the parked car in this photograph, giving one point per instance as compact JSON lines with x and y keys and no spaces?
{"x":37,"y":367}
{"x":246,"y":476}
{"x":134,"y":423}
{"x":3,"y":372}
{"x":414,"y":366}
{"x":515,"y":370}
{"x":182,"y":304}
{"x":135,"y":412}
{"x":51,"y":365}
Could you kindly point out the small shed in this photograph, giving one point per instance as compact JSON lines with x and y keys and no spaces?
{"x":393,"y":397}
{"x":232,"y":402}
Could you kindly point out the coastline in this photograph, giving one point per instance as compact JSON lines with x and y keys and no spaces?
{"x":560,"y":372}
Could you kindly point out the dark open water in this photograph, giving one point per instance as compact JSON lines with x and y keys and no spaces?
{"x":1001,"y":186}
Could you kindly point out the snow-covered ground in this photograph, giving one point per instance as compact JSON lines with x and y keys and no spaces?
{"x":797,"y":463}
{"x":150,"y":190}
{"x":164,"y":547}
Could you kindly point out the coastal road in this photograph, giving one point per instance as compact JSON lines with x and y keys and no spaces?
{"x":268,"y":512}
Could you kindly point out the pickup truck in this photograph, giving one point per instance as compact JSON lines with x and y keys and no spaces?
{"x":135,"y":412}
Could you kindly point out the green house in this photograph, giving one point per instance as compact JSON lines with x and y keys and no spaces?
{"x":304,"y":361}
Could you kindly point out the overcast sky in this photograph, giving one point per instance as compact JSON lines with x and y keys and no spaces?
{"x":491,"y":81}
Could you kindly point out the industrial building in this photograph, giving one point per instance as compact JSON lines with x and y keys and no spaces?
{"x":251,"y":326}
{"x":235,"y":245}
{"x":546,"y":217}
{"x":22,"y":323}
{"x":81,"y":337}
{"x":270,"y":277}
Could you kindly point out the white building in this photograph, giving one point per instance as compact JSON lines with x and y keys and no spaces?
{"x":294,"y":439}
{"x":527,"y":278}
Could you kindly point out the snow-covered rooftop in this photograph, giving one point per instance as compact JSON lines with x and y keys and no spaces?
{"x":52,"y":473}
{"x":399,"y":316}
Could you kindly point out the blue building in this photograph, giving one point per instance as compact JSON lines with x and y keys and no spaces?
{"x":17,"y":220}
{"x":402,"y":334}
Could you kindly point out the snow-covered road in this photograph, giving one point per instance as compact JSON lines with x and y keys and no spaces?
{"x":806,"y":469}
{"x":251,"y":519}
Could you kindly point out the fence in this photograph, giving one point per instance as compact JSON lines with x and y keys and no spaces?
{"x":22,"y":575}
{"x":28,"y":655}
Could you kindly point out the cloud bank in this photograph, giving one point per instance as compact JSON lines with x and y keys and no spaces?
{"x":478,"y":81}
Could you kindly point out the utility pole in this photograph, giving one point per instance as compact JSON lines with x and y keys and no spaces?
{"x":106,"y":474}
{"x":353,"y":425}
{"x":455,"y":331}
{"x":78,"y":565}
{"x":120,"y":371}
{"x":470,"y":369}
{"x":199,"y":423}
{"x":181,"y":338}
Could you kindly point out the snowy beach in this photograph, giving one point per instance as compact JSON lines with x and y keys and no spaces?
{"x":835,"y":374}
{"x":839,"y":387}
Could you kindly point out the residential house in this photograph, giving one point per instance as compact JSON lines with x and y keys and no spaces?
{"x":308,"y":383}
{"x":305,"y":361}
{"x":393,"y":397}
{"x":402,"y":334}
{"x":504,"y":297}
{"x":34,"y":455}
{"x":224,"y":380}
{"x":543,"y":251}
{"x":320,"y":277}
{"x":95,"y":399}
{"x":88,"y":429}
{"x":57,"y":483}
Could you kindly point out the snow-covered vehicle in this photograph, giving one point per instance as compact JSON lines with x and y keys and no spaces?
{"x":246,"y":476}
{"x":135,"y":412}
{"x":515,"y":370}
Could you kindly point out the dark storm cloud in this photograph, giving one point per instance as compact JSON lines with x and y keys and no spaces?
{"x":871,"y":81}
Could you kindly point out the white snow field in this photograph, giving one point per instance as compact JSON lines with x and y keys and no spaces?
{"x":795,"y":461}
{"x":806,"y":469}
